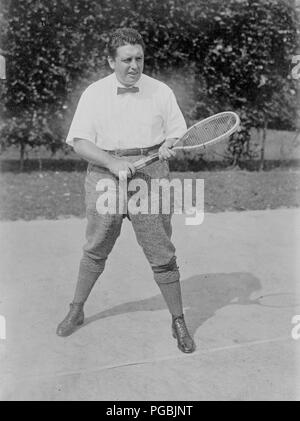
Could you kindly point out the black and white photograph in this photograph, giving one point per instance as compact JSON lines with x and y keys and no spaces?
{"x":149,"y":203}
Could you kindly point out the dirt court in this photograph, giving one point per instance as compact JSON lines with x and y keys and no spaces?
{"x":240,"y":274}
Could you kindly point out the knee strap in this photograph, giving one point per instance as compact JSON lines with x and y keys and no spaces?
{"x":168,"y":267}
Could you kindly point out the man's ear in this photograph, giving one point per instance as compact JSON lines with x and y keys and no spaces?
{"x":111,"y":62}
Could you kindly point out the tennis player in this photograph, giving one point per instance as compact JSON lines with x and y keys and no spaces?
{"x":118,"y":120}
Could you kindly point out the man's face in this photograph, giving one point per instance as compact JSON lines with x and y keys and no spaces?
{"x":128,"y":63}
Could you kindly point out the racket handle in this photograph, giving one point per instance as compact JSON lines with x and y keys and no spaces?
{"x":141,"y":163}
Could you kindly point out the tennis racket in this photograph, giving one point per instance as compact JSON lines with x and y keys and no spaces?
{"x":206,"y":132}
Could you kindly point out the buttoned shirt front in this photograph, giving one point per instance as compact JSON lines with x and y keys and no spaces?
{"x":129,"y":120}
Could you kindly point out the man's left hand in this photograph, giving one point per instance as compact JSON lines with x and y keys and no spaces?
{"x":165,"y":151}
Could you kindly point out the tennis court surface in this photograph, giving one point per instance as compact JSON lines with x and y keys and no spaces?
{"x":240,"y":275}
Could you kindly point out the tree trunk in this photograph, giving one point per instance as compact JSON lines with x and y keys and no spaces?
{"x":40,"y":162}
{"x":22,"y":153}
{"x":263,"y":145}
{"x":38,"y":157}
{"x":248,"y":148}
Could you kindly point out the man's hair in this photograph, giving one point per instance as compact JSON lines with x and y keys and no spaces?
{"x":123,"y":36}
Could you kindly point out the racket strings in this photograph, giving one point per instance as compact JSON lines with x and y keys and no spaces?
{"x":205,"y":132}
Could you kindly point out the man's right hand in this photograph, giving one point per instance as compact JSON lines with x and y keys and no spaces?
{"x":122,"y":168}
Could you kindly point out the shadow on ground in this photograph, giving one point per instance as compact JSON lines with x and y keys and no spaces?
{"x":202,"y":295}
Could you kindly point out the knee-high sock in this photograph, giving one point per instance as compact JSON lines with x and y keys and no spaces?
{"x":172,"y":295}
{"x":83,"y":289}
{"x":86,"y":280}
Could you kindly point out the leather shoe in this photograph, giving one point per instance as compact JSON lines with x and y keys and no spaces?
{"x":73,"y":319}
{"x":179,"y":330}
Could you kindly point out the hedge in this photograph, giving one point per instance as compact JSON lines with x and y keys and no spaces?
{"x":232,"y":55}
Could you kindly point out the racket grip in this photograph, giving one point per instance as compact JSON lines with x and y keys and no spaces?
{"x":141,"y":163}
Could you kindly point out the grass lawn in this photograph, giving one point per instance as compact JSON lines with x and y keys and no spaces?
{"x":60,"y":194}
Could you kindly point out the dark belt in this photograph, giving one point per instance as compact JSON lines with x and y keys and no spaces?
{"x":135,"y":151}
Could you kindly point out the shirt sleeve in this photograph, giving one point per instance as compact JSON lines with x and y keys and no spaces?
{"x":175,"y":125}
{"x":82,"y":125}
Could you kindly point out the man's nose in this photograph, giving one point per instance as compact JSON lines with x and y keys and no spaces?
{"x":133,"y":64}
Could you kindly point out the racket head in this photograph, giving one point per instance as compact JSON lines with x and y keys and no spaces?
{"x":210,"y":130}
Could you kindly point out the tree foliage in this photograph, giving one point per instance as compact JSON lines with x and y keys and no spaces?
{"x":239,"y":50}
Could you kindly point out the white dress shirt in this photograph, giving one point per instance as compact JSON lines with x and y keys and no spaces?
{"x":129,"y":120}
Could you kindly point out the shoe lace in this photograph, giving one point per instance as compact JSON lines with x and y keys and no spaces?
{"x":181,"y":327}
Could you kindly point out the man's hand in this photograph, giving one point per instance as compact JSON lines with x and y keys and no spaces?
{"x":121,"y":168}
{"x":165,"y":151}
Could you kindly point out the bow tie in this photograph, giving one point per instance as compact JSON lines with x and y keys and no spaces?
{"x":132,"y":90}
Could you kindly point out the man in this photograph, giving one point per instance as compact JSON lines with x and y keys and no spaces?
{"x":119,"y":119}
